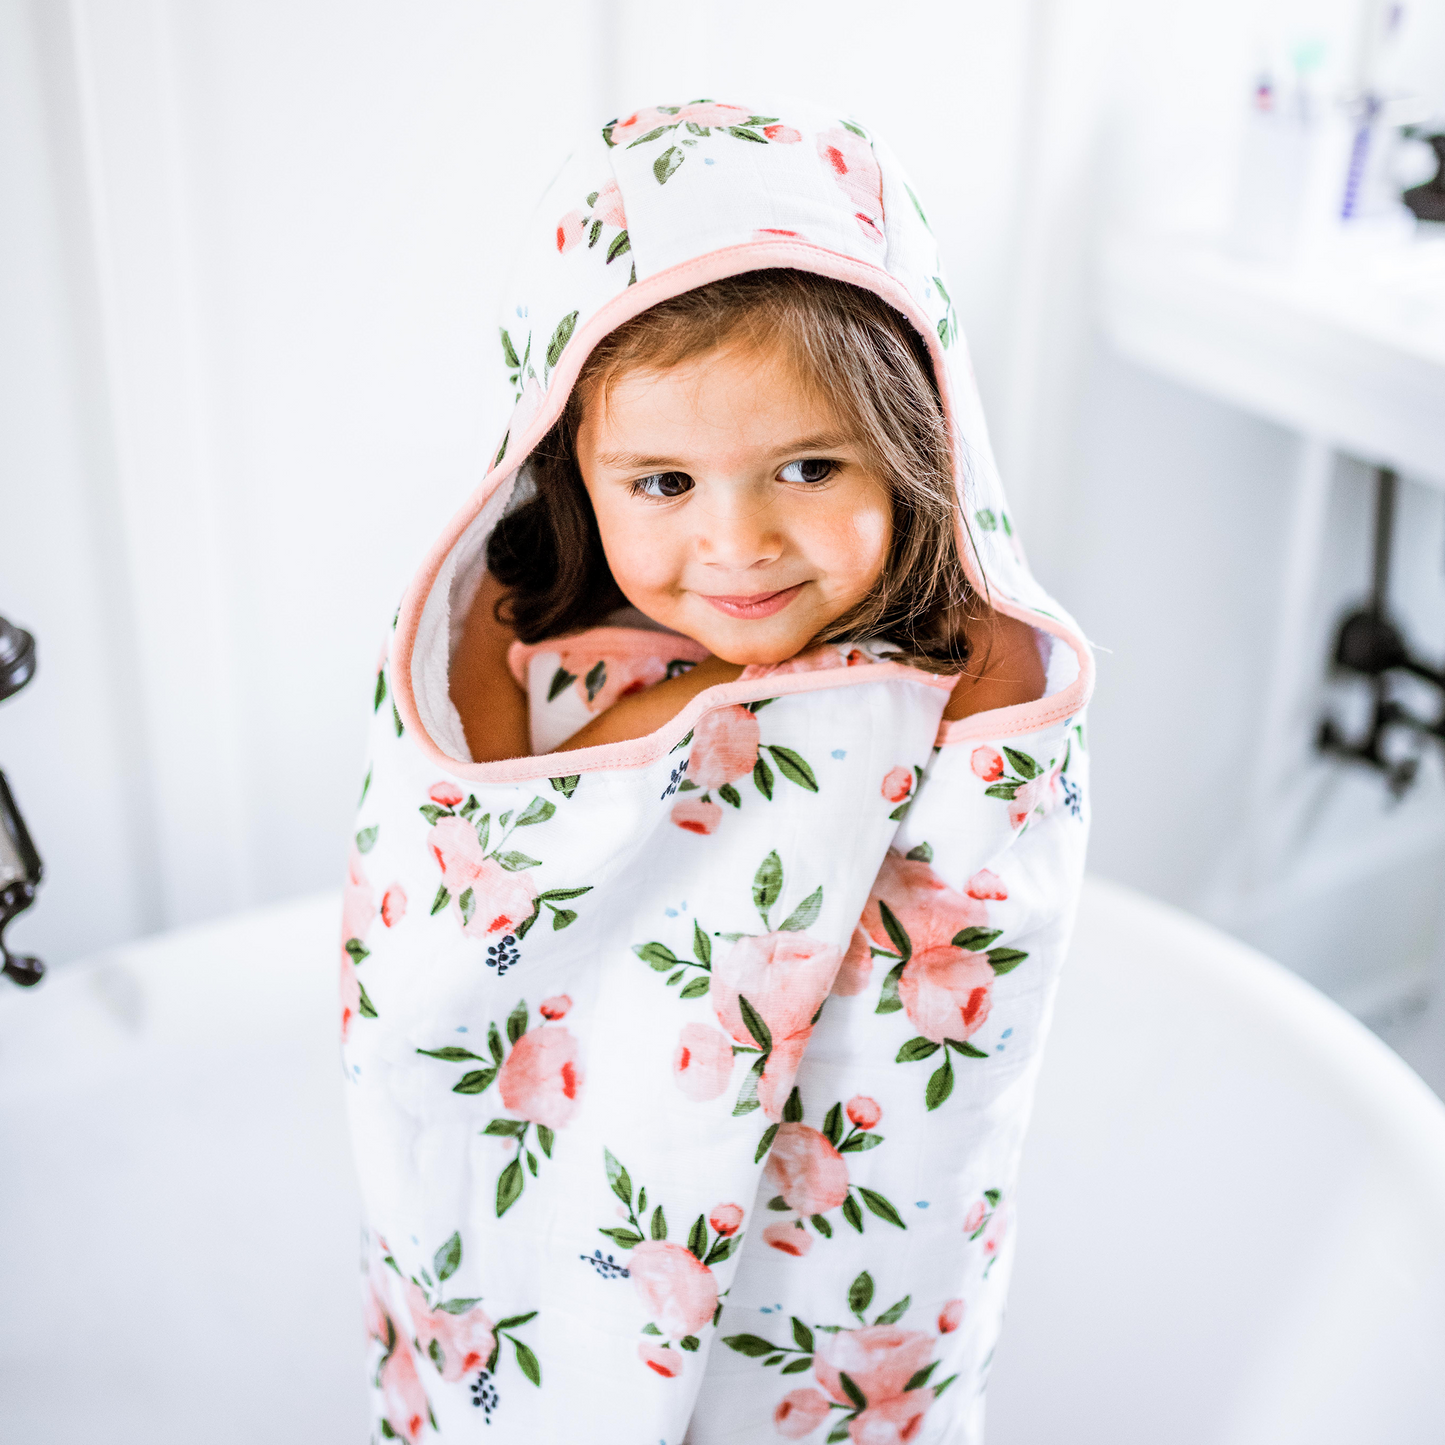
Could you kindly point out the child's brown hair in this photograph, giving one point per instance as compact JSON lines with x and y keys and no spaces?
{"x":858,"y":355}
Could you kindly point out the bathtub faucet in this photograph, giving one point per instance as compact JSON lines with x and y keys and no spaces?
{"x":20,"y":865}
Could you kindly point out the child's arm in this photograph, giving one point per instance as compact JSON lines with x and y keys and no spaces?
{"x":493,"y":709}
{"x":645,"y":712}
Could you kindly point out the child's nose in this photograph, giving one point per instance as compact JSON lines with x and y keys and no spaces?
{"x":740,"y":531}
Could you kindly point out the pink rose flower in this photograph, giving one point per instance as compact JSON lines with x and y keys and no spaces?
{"x":555,"y":1008}
{"x":892,"y":1422}
{"x":855,"y":168}
{"x":639,"y":123}
{"x":984,"y":884}
{"x":711,"y":113}
{"x":879,"y":1359}
{"x":499,"y":900}
{"x":785,"y":977}
{"x":768,"y":233}
{"x":680,"y":1292}
{"x":789,"y":1238}
{"x":897,"y":784}
{"x":465,"y":1342}
{"x":570,"y":230}
{"x":622,"y":676}
{"x":806,"y":1170}
{"x":863,"y":1111}
{"x":1038,"y":795}
{"x":724,"y":746}
{"x":358,"y":902}
{"x":542,"y":1078}
{"x":607,"y":208}
{"x":393,"y":905}
{"x":725,"y":1218}
{"x":973,"y":1220}
{"x":950,"y":1317}
{"x":947,"y":992}
{"x":529,"y":403}
{"x":857,"y":965}
{"x":403,"y":1398}
{"x":447,"y":794}
{"x":987,"y":763}
{"x":702,"y":1063}
{"x":800,"y":1412}
{"x":930,"y":911}
{"x":993,"y":1236}
{"x":697,"y":815}
{"x":782,"y":134}
{"x":667,"y":1363}
{"x":350,"y":996}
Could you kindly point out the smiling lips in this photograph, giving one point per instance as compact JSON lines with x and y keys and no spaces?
{"x":760,"y":604}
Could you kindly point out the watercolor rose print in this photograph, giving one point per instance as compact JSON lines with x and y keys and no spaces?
{"x":685,"y":126}
{"x":539,"y":1078}
{"x":872,"y":1380}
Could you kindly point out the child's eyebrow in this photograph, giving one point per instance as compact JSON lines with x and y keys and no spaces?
{"x":629,"y":461}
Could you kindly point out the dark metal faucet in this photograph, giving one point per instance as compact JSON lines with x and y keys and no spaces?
{"x":20,"y":866}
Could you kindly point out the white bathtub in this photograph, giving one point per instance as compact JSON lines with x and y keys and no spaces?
{"x":1233,"y":1204}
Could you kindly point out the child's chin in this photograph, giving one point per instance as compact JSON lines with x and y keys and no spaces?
{"x":736,"y":647}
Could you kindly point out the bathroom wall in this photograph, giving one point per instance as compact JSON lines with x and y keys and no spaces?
{"x":250,"y":262}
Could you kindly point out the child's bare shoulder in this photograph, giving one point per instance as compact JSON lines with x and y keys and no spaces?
{"x":1004,"y":669}
{"x":641,"y":713}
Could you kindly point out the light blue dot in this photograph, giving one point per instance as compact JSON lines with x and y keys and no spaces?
{"x":999,"y":1049}
{"x":671,"y":912}
{"x":1007,"y":1033}
{"x":707,"y":160}
{"x":920,"y":1204}
{"x":765,"y":1309}
{"x":356,"y":1068}
{"x":461,"y":1028}
{"x":840,"y":753}
{"x":415,"y":1240}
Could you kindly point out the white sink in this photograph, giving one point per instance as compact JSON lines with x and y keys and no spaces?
{"x":1233,"y":1207}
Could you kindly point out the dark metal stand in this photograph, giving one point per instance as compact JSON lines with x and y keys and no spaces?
{"x":20,"y":867}
{"x":1370,"y":644}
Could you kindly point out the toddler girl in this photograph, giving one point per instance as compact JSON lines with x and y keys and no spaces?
{"x":721,"y":837}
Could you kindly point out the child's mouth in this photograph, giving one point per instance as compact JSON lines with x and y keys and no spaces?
{"x":760,"y":604}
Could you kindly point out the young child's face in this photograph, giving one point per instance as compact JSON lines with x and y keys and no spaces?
{"x":734,"y":507}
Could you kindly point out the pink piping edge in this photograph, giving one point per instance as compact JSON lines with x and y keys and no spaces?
{"x":608,"y":641}
{"x":687,"y":276}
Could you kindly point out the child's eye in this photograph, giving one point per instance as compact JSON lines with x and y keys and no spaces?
{"x":662,"y":484}
{"x":812,"y":470}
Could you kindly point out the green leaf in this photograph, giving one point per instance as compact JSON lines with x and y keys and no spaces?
{"x":357,"y":950}
{"x":917,"y":208}
{"x":960,"y":1046}
{"x":756,"y":1025}
{"x":894,"y":1313}
{"x":659,"y":1223}
{"x":545,"y":1137}
{"x":1023,"y":764}
{"x":566,"y":786}
{"x":833,"y":1125}
{"x":366,"y":839}
{"x":441,"y":900}
{"x":656,"y":955}
{"x":730,"y":795}
{"x":984,"y":517}
{"x":447,"y":1260}
{"x":451,"y":1054}
{"x":848,"y":125}
{"x":459,"y":1306}
{"x":939,"y":1389}
{"x":668,"y":162}
{"x":365,"y":788}
{"x":975,"y":939}
{"x":512,"y":1321}
{"x":1005,"y":960}
{"x":396,"y":720}
{"x":627,"y":1238}
{"x":697,"y":1237}
{"x":805,"y":914}
{"x":651,"y":135}
{"x":802,"y":1335}
{"x":506,"y":1128}
{"x":748,"y":1093}
{"x":793,"y":1109}
{"x":919,"y":1378}
{"x":621,"y":245}
{"x":380,"y":695}
{"x":822,"y":1226}
{"x":562,"y":918}
{"x":509,"y":1186}
{"x":940,"y":1086}
{"x":839,"y":1431}
{"x":915,"y":1049}
{"x":753,"y":1346}
{"x":766,"y":1142}
{"x":796,"y":1367}
{"x":687,"y":786}
{"x":860,"y":1294}
{"x":484,"y":831}
{"x":793,"y":768}
{"x":365,"y":1007}
{"x":517,"y":1021}
{"x":595,"y":680}
{"x":527,"y":1360}
{"x":650,"y":1329}
{"x":696,"y":989}
{"x":1001,"y":790}
{"x":509,"y":352}
{"x":537,"y":811}
{"x":560,"y":337}
{"x":902,"y":944}
{"x":433,"y":813}
{"x":923,"y":853}
{"x":778,"y":1204}
{"x":690,"y":1342}
{"x":878,"y":1205}
{"x":701,"y":945}
{"x":859,"y":1143}
{"x":595,"y":236}
{"x":618,"y":1178}
{"x":943,"y":330}
{"x":773,"y":1360}
{"x":767,"y":884}
{"x":468,"y":905}
{"x":494,"y":1043}
{"x":763,"y":777}
{"x":859,"y":1399}
{"x":697,"y":129}
{"x":888,"y":1000}
{"x":743,"y":133}
{"x":515,"y":862}
{"x":993,"y":1196}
